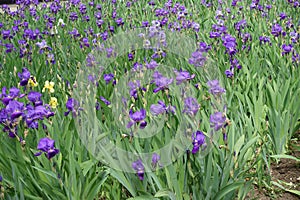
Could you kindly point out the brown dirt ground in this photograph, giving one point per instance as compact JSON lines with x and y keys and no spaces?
{"x":285,"y":171}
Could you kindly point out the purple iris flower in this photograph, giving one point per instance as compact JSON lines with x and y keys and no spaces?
{"x":134,"y":86}
{"x":286,"y":49}
{"x":47,"y":146}
{"x":43,"y":46}
{"x":130,"y":56}
{"x":183,"y":76}
{"x":282,"y":16}
{"x":139,"y":168}
{"x":230,"y":44}
{"x":145,"y":23}
{"x":276,"y":30}
{"x":137,"y":118}
{"x":152,"y":64}
{"x":108,"y":78}
{"x":155,"y":159}
{"x":264,"y":40}
{"x":217,"y":120}
{"x":240,"y":25}
{"x":160,"y":81}
{"x":215,"y":88}
{"x":14,"y":109}
{"x":84,"y":42}
{"x":3,"y":115}
{"x":13,"y":93}
{"x":73,"y":16}
{"x":72,"y":105}
{"x":37,"y":113}
{"x":214,"y":34}
{"x":203,"y":47}
{"x":24,"y":76}
{"x":197,"y":59}
{"x":105,"y":100}
{"x":159,"y":108}
{"x":35,"y":98}
{"x":6,"y":34}
{"x":119,"y":22}
{"x":191,"y":106}
{"x":229,"y":73}
{"x":198,"y":139}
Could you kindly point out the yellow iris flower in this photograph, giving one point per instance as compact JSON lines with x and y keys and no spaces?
{"x":53,"y":102}
{"x":48,"y":86}
{"x":32,"y":82}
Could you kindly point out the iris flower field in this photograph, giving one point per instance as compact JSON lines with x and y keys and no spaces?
{"x":150,"y":99}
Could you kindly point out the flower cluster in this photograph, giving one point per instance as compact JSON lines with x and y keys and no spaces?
{"x":139,"y":167}
{"x":22,"y":108}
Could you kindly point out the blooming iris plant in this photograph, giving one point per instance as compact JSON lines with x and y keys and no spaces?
{"x":198,"y":140}
{"x":47,"y":146}
{"x":138,"y":166}
{"x":161,"y":82}
{"x":183,"y":76}
{"x":215,"y":88}
{"x":49,"y":86}
{"x":137,"y":117}
{"x":217,"y":120}
{"x":191,"y":106}
{"x":161,"y":108}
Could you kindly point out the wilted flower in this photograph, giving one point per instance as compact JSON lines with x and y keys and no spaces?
{"x":47,"y":146}
{"x":198,"y":139}
{"x":139,"y":168}
{"x":217,"y":120}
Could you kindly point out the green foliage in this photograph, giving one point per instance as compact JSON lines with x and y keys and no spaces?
{"x":262,"y":110}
